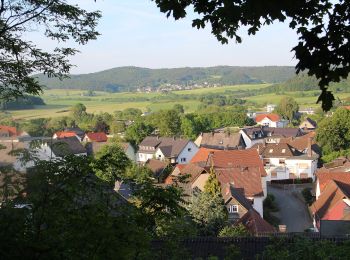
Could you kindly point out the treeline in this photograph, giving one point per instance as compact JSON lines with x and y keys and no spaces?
{"x":26,"y":102}
{"x":131,"y":78}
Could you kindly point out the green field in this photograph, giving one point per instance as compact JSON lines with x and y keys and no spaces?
{"x":59,"y":101}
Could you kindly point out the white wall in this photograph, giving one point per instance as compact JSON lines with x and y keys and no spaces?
{"x":143,"y":157}
{"x":249,"y":142}
{"x":267,"y":122}
{"x":188,"y":152}
{"x":258,"y":205}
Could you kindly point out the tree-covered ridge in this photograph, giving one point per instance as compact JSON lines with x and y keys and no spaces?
{"x":131,"y":78}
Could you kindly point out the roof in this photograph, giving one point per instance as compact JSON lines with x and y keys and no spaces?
{"x":66,"y":146}
{"x":192,"y":170}
{"x":63,"y":134}
{"x":333,"y":193}
{"x":170,"y":147}
{"x":93,"y":147}
{"x":272,"y":117}
{"x":310,"y":121}
{"x":125,"y":146}
{"x":341,"y":164}
{"x":156,"y":166}
{"x":220,"y":140}
{"x":5,"y":149}
{"x":9,"y":129}
{"x":202,"y":155}
{"x":264,"y":131}
{"x":324,"y":177}
{"x":231,"y":192}
{"x":97,"y":137}
{"x":248,"y":180}
{"x":301,"y":143}
{"x":276,"y":150}
{"x":79,"y":132}
{"x":238,"y":159}
{"x":254,"y":223}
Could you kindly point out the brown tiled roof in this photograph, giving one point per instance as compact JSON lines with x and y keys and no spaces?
{"x":248,"y":180}
{"x":276,"y":150}
{"x":341,"y":164}
{"x":282,"y":132}
{"x":202,"y":155}
{"x":325,"y":177}
{"x":254,"y":223}
{"x":9,"y":129}
{"x":301,"y":143}
{"x":237,"y":158}
{"x":170,"y":147}
{"x":231,"y":192}
{"x":272,"y":117}
{"x":156,"y":166}
{"x":97,"y":137}
{"x":333,"y":193}
{"x":5,"y":149}
{"x":221,"y":141}
{"x":192,"y":170}
{"x":66,"y":146}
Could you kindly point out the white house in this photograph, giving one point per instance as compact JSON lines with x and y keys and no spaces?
{"x":270,"y":107}
{"x":176,"y":150}
{"x":281,"y":161}
{"x":270,"y":120}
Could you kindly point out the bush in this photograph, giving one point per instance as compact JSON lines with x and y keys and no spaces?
{"x":309,"y":199}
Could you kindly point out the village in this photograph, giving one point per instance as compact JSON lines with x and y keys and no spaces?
{"x":265,"y":162}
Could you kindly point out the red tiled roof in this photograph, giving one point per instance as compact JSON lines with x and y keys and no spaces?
{"x":272,"y":117}
{"x":63,"y":134}
{"x":11,"y":130}
{"x":254,"y":223}
{"x":248,"y":180}
{"x":332,"y":195}
{"x":97,"y":137}
{"x":202,"y":155}
{"x":238,"y":159}
{"x":325,"y":177}
{"x":346,"y":107}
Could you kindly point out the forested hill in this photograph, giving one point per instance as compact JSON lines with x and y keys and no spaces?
{"x":131,"y":78}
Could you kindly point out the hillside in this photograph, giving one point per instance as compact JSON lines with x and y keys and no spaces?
{"x":131,"y":78}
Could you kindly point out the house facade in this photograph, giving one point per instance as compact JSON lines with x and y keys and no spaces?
{"x":220,"y":141}
{"x":270,"y":120}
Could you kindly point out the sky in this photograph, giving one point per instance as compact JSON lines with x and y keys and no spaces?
{"x":136,"y":33}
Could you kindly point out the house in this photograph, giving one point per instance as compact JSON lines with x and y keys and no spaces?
{"x":308,"y":125}
{"x":157,"y":167}
{"x":282,"y":161}
{"x":11,"y":133}
{"x":243,"y":170}
{"x":333,"y":203}
{"x":129,"y":150}
{"x":93,"y":147}
{"x":65,"y":134}
{"x":58,"y":148}
{"x":201,"y":157}
{"x":255,"y":224}
{"x":220,"y":141}
{"x":341,"y":164}
{"x":270,"y":107}
{"x":271,"y":120}
{"x":255,"y":135}
{"x":307,"y":111}
{"x":303,"y":143}
{"x":323,"y":178}
{"x":78,"y":131}
{"x":95,"y":137}
{"x":176,"y":150}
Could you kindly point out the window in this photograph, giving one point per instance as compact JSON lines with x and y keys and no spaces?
{"x":233,"y":209}
{"x":271,"y":151}
{"x":281,"y":161}
{"x":273,"y":175}
{"x":283,"y":150}
{"x":159,"y":155}
{"x":189,"y":149}
{"x":183,"y":159}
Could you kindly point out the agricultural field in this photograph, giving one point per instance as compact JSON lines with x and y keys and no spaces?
{"x":59,"y":101}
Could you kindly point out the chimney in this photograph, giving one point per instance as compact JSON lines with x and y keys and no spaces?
{"x":309,"y":147}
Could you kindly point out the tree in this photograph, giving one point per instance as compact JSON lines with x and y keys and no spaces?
{"x":333,"y":133}
{"x":21,"y":58}
{"x":287,"y":108}
{"x":322,"y":27}
{"x":212,"y":185}
{"x":234,"y":231}
{"x":111,"y":163}
{"x":78,"y":111}
{"x":137,"y":132}
{"x":169,"y":123}
{"x":179,"y":108}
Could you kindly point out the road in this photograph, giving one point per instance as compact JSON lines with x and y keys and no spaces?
{"x":292,"y":212}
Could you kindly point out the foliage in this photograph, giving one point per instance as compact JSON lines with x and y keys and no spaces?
{"x":78,"y":111}
{"x":303,"y":248}
{"x":138,"y":174}
{"x":137,"y":132}
{"x":209,"y":213}
{"x":270,"y":206}
{"x":179,"y":108}
{"x":287,"y":108}
{"x":212,"y":185}
{"x":234,"y":231}
{"x":70,"y":214}
{"x":333,"y":133}
{"x":334,"y":155}
{"x":309,"y":199}
{"x":168,"y":122}
{"x":25,"y":102}
{"x":56,"y":20}
{"x":110,"y":163}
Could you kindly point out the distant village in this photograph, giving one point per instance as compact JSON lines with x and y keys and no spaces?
{"x":247,"y":163}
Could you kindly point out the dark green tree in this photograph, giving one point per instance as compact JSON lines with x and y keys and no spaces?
{"x":287,"y":108}
{"x":234,"y":231}
{"x":179,"y":108}
{"x":137,"y":132}
{"x":21,"y":58}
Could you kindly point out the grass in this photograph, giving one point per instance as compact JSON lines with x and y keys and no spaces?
{"x":59,"y":101}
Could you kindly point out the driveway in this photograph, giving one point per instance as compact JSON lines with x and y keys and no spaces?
{"x":292,"y":212}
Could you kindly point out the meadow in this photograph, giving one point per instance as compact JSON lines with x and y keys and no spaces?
{"x":59,"y":101}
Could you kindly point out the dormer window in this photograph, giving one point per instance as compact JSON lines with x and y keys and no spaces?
{"x":221,"y":142}
{"x":283,"y":150}
{"x":271,"y":151}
